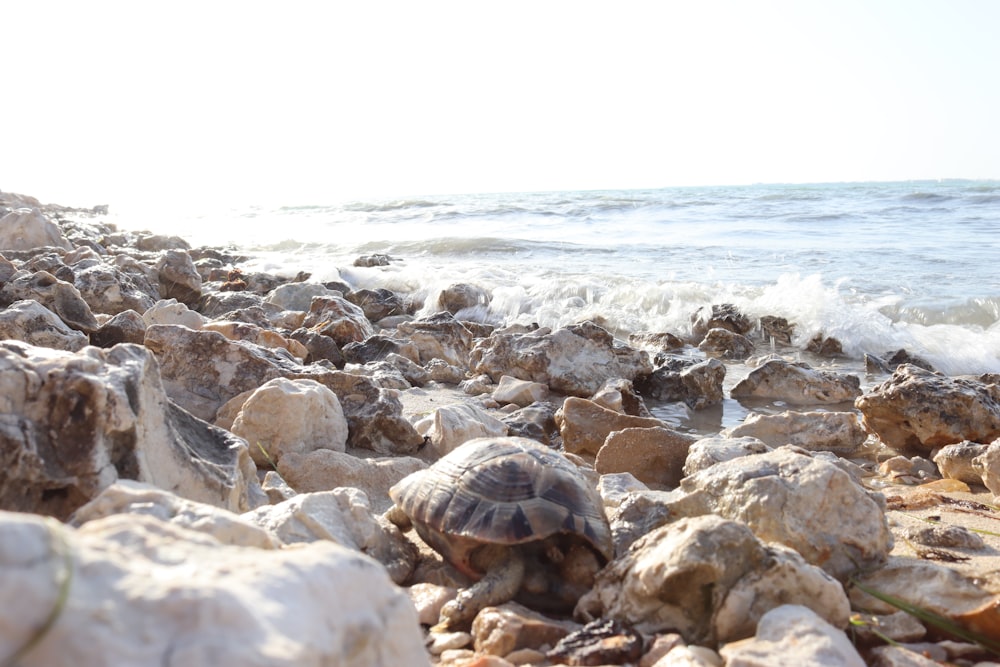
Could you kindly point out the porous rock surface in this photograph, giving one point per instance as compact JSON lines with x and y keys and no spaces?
{"x":575,"y":360}
{"x":920,"y":410}
{"x":73,"y":424}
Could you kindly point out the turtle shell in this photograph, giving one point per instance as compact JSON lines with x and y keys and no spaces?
{"x":503,"y":491}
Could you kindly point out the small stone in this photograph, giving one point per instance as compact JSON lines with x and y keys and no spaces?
{"x":601,"y":642}
{"x":439,"y":642}
{"x":511,"y":626}
{"x":428,"y":599}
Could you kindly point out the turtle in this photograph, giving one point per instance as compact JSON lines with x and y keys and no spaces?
{"x":516,"y":516}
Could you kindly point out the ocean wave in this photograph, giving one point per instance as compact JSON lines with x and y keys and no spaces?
{"x":389,"y":206}
{"x":927,"y":197}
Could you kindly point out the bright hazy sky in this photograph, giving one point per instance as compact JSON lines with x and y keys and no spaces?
{"x":314,"y":102}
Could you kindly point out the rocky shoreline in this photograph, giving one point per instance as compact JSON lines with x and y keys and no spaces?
{"x":197,"y":463}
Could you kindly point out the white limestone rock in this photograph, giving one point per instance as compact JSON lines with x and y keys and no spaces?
{"x":439,"y":336}
{"x":170,"y":311}
{"x":454,"y":424}
{"x":987,"y":465}
{"x":326,"y":469}
{"x":576,"y":360}
{"x":33,"y":323}
{"x":520,"y":392}
{"x":131,"y":497}
{"x":297,"y":296}
{"x":73,"y":424}
{"x":799,"y":500}
{"x":837,"y":432}
{"x":285,"y":415}
{"x":341,"y":515}
{"x":144,"y":592}
{"x":28,"y":228}
{"x":706,"y":452}
{"x":793,"y":635}
{"x":710,"y":579}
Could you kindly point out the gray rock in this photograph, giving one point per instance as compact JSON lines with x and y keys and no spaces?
{"x":440,"y":336}
{"x":576,"y":360}
{"x":837,"y":432}
{"x":707,"y":452}
{"x":33,"y":323}
{"x":955,"y":461}
{"x":178,"y":277}
{"x":725,"y":344}
{"x":59,"y":296}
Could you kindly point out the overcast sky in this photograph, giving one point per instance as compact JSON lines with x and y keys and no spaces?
{"x":315,"y":102}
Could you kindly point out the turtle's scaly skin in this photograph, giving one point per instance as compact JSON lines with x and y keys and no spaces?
{"x":511,"y":493}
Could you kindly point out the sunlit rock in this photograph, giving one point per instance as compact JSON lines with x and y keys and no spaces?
{"x":140,"y":591}
{"x":919,"y":410}
{"x":837,"y":432}
{"x":73,"y":424}
{"x":576,"y":360}
{"x":710,"y":579}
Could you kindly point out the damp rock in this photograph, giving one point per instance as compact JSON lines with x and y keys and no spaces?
{"x":724,"y":344}
{"x":797,"y":384}
{"x":462,"y":296}
{"x":719,"y":316}
{"x":837,"y":432}
{"x":776,"y":330}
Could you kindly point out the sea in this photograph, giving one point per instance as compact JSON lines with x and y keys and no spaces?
{"x":879,"y":266}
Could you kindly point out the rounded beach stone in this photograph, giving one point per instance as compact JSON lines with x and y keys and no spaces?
{"x":291,"y":416}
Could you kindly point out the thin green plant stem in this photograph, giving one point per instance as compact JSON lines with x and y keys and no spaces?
{"x":991,"y":644}
{"x":64,"y":578}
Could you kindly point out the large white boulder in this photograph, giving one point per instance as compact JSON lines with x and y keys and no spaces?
{"x":139,"y":591}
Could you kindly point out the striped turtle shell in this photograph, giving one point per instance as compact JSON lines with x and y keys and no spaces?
{"x":502,"y":491}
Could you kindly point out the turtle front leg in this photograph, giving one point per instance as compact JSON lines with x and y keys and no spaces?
{"x":504,"y":567}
